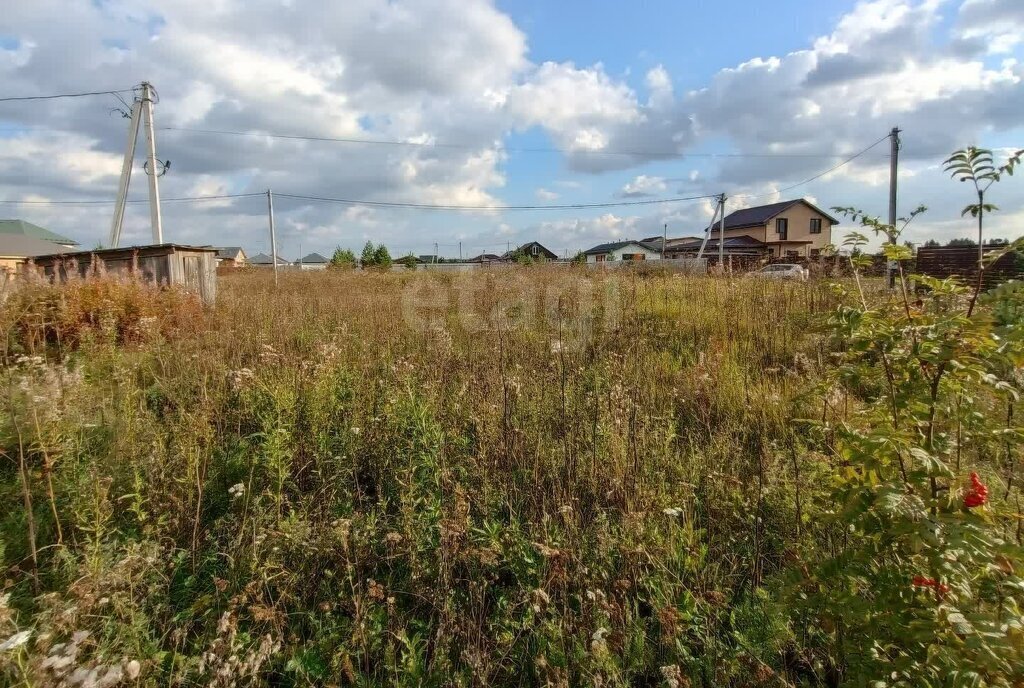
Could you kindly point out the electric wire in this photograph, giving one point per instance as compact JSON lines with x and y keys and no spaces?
{"x":173,"y":199}
{"x":54,"y":96}
{"x":430,"y":206}
{"x":462,"y":146}
{"x":817,"y":176}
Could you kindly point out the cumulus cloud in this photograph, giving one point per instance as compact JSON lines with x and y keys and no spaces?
{"x":642,"y":186}
{"x":997,"y":23}
{"x":440,"y":71}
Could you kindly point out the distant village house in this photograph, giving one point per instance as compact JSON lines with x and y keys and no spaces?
{"x":623,"y":251}
{"x":789,"y":229}
{"x":314,"y":261}
{"x":20,"y":240}
{"x":534,"y":250}
{"x":262,"y":260}
{"x":231,"y":257}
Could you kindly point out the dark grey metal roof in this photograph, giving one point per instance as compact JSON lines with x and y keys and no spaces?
{"x":615,"y":245}
{"x":313,"y":258}
{"x":526,"y":249}
{"x":264,"y":259}
{"x":19,"y":245}
{"x":729,"y":241}
{"x":758,"y":215}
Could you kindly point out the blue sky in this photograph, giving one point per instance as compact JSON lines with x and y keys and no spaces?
{"x":790,"y":88}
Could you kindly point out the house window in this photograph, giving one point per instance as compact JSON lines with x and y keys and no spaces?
{"x":601,"y":257}
{"x":782,"y":228}
{"x":792,"y":254}
{"x":633,"y":256}
{"x":815,"y":253}
{"x":533,"y":249}
{"x":815,"y":225}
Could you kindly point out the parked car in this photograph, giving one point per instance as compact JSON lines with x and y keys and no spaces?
{"x":783,"y":271}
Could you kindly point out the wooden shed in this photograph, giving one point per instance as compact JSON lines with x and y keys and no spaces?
{"x":193,"y":267}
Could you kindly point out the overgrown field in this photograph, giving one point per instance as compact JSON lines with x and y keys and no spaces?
{"x":513,"y":478}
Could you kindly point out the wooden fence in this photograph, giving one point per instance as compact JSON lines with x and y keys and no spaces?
{"x":962,"y":262}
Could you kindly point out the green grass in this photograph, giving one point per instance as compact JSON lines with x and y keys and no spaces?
{"x":526,"y":477}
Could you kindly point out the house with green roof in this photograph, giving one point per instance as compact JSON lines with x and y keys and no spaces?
{"x":27,"y":229}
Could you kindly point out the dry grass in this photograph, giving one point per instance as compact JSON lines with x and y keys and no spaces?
{"x":533,"y":476}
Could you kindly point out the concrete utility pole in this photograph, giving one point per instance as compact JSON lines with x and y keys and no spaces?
{"x":142,"y":110}
{"x":126,"y":174}
{"x":435,"y":251}
{"x":664,"y":240}
{"x":894,"y":161}
{"x":154,"y":174}
{"x":719,"y":207}
{"x":273,"y":234}
{"x":721,"y":234}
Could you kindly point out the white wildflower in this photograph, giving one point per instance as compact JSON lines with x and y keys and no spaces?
{"x":133,"y":669}
{"x":16,"y":640}
{"x":672,"y":674}
{"x":236,"y":490}
{"x":598,"y":644}
{"x":672,"y":511}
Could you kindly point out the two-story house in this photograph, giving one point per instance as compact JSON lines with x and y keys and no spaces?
{"x":795,"y":228}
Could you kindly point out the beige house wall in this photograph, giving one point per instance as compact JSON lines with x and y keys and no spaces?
{"x":10,"y":264}
{"x":799,"y":216}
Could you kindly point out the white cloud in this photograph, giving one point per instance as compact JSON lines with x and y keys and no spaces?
{"x":643,"y":186}
{"x":437,"y":71}
{"x":998,"y":23}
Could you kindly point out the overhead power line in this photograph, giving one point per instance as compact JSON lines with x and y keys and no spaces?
{"x":817,"y":176}
{"x":384,"y":204}
{"x":137,"y":200}
{"x":67,"y":95}
{"x":464,"y":146}
{"x":430,"y":206}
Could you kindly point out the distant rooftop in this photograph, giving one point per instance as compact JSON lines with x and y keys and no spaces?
{"x":264,"y":259}
{"x":19,"y":246}
{"x":760,"y":214}
{"x":229,"y":251}
{"x":615,"y":245}
{"x":312,"y":258}
{"x":27,"y":229}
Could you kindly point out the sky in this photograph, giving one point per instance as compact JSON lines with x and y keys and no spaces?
{"x":487,"y":103}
